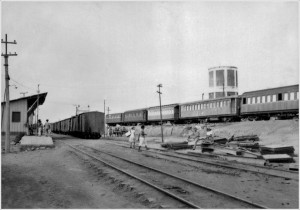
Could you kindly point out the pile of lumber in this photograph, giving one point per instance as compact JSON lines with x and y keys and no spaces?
{"x":278,"y":158}
{"x":244,"y":138}
{"x":276,"y":149}
{"x":177,"y":145}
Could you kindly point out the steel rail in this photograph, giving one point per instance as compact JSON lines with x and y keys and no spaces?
{"x":183,"y":179}
{"x":140,"y":179}
{"x":225,"y":166}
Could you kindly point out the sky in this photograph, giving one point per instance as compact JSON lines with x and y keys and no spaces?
{"x":83,"y":53}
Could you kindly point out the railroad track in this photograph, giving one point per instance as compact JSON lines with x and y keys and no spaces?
{"x":245,"y":167}
{"x":190,"y":193}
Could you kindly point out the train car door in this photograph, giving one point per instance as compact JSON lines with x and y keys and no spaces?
{"x":233,"y":106}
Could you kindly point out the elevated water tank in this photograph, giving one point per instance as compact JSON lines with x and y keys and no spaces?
{"x":223,"y":81}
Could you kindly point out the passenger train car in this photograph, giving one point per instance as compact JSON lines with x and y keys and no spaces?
{"x":135,"y":116}
{"x":114,"y":119}
{"x":263,"y":104}
{"x":281,"y":102}
{"x":169,"y":113}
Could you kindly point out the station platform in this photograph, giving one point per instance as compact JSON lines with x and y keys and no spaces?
{"x":36,"y":142}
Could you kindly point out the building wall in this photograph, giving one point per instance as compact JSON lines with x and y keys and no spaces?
{"x":15,"y":127}
{"x":222,"y":78}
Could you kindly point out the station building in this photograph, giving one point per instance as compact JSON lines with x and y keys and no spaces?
{"x":21,"y":113}
{"x":223,"y":81}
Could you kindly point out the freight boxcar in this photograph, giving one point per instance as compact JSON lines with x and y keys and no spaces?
{"x":89,"y":125}
{"x":135,"y":116}
{"x":65,"y":126}
{"x":113,"y":119}
{"x":169,"y":113}
{"x":220,"y":109}
{"x":278,"y":102}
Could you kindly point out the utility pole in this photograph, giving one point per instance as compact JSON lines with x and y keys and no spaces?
{"x":7,"y":105}
{"x":76,"y":106}
{"x":202,"y":96}
{"x":37,"y":111}
{"x":162,"y":133}
{"x":23,"y":93}
{"x":108,"y":110}
{"x":104,"y":120}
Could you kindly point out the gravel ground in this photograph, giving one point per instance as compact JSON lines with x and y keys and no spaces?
{"x":56,"y":178}
{"x":249,"y":186}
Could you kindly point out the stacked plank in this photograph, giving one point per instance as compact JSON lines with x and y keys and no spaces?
{"x":275,"y":149}
{"x":249,"y":141}
{"x":277,"y":153}
{"x":176,"y":145}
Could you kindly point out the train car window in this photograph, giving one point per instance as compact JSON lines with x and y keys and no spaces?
{"x":198,"y":106}
{"x":258,"y":99}
{"x":268,"y":98}
{"x":292,"y":96}
{"x":221,"y":103}
{"x":286,"y":96}
{"x":274,"y":98}
{"x":253,"y":100}
{"x":297,"y":95}
{"x":244,"y":100}
{"x":248,"y":100}
{"x":263,"y":99}
{"x":279,"y":96}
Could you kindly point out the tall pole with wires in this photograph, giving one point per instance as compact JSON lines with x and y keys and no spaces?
{"x":7,"y":105}
{"x":37,"y":110}
{"x":104,"y":120}
{"x":159,"y":93}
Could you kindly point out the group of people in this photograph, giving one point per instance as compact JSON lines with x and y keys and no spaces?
{"x":45,"y":128}
{"x":141,"y":138}
{"x":204,"y":133}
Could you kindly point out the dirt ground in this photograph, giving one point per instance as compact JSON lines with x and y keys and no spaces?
{"x":55,"y":178}
{"x":271,"y":132}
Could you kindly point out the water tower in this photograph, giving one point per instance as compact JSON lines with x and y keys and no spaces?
{"x":223,"y":81}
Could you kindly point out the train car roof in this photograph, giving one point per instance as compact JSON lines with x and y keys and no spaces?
{"x":271,"y":89}
{"x":208,"y":100}
{"x":136,"y":110}
{"x":115,"y":113}
{"x":155,"y":107}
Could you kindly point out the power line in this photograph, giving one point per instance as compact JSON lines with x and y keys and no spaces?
{"x":22,"y":84}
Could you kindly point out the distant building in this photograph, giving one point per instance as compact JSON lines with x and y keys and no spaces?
{"x":223,"y":81}
{"x":21,"y":113}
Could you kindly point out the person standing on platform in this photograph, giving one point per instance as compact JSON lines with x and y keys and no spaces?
{"x":47,"y":127}
{"x":132,"y":138}
{"x":142,"y":138}
{"x":40,"y":127}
